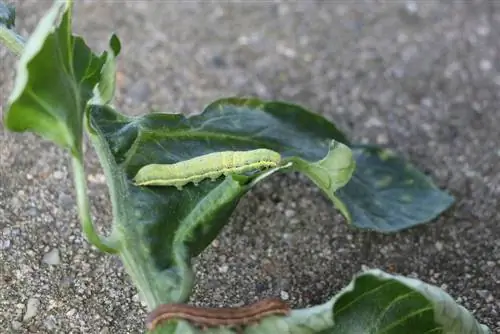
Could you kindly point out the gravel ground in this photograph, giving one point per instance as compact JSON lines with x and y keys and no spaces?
{"x":422,"y":79}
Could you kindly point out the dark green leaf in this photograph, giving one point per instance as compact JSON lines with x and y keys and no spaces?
{"x":387,"y":194}
{"x":384,"y":306}
{"x":56,"y":75}
{"x":115,"y":44}
{"x":170,"y":225}
{"x":377,"y":302}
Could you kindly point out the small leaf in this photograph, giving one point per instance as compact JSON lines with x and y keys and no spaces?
{"x":104,"y":91}
{"x":387,"y":194}
{"x":55,"y":78}
{"x":332,"y":172}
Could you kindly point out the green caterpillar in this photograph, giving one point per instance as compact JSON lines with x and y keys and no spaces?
{"x":212,"y":166}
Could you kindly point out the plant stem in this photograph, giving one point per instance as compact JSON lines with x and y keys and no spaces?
{"x":14,"y":42}
{"x":156,"y":286}
{"x":84,"y":210}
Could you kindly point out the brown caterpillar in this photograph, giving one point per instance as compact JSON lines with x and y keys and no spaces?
{"x":218,"y":317}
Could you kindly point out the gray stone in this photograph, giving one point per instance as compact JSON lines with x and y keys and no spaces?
{"x":52,"y":257}
{"x":31,"y":308}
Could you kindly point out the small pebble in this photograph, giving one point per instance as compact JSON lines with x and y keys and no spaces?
{"x":382,"y":139}
{"x":483,"y":293}
{"x":71,"y":312}
{"x":50,"y":323}
{"x":52,"y":257}
{"x":284,"y":295}
{"x":483,"y":30}
{"x":31,"y":308}
{"x":104,"y":330}
{"x":32,"y":212}
{"x":97,"y":178}
{"x":16,"y":325}
{"x":58,"y":175}
{"x":374,"y":122}
{"x":439,"y":246}
{"x":224,"y":268}
{"x":411,"y":7}
{"x":4,"y":244}
{"x":485,"y":65}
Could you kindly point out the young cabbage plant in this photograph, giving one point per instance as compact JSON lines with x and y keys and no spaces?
{"x":174,"y":181}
